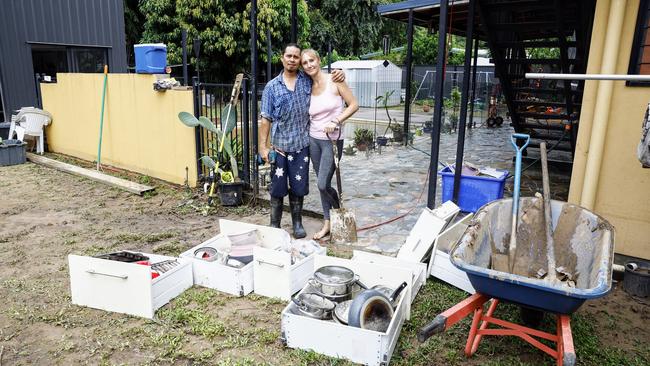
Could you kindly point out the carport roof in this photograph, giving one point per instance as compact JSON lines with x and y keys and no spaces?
{"x":426,"y":13}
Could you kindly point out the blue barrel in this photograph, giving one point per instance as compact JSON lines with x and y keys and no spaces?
{"x":150,"y":58}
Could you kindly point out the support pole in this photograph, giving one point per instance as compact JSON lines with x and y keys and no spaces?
{"x":409,"y":71}
{"x":603,"y":102}
{"x":329,"y":57}
{"x":294,"y":21}
{"x":197,"y":130}
{"x":186,"y":80}
{"x":254,"y":114}
{"x":474,"y":70}
{"x":437,"y":111}
{"x":269,"y":55}
{"x":245,"y":104}
{"x":460,"y":147}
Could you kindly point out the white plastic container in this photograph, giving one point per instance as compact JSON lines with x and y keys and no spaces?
{"x":126,"y":287}
{"x":336,"y":340}
{"x":439,"y":264}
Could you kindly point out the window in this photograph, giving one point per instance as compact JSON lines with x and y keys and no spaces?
{"x":48,"y":60}
{"x":88,"y":59}
{"x":640,"y":56}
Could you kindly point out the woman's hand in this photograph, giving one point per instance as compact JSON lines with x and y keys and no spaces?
{"x":331,"y":127}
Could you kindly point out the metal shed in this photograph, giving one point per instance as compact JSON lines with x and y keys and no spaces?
{"x":371,"y":78}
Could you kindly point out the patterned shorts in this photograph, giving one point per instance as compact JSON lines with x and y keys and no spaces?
{"x":291,"y":172}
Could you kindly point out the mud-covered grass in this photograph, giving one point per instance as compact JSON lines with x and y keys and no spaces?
{"x":63,"y":214}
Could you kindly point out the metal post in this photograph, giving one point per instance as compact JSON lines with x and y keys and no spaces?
{"x":39,"y":101}
{"x":409,"y":71}
{"x":437,"y":111}
{"x":186,"y":80}
{"x":197,"y":51}
{"x":254,"y":113}
{"x":245,"y":133}
{"x":197,"y":130}
{"x":294,"y":21}
{"x":329,"y":57}
{"x":460,"y":147}
{"x":269,"y":55}
{"x":474,"y":69}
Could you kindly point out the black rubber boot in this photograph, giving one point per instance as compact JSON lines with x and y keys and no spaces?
{"x":296,"y":216}
{"x":276,"y":211}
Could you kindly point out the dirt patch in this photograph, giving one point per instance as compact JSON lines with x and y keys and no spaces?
{"x":46,"y":215}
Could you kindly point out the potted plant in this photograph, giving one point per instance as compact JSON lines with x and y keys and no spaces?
{"x":362,"y":138}
{"x":398,"y":132}
{"x":383,"y":140}
{"x":428,"y":126}
{"x":426,"y":107}
{"x":222,"y":158}
{"x":12,"y":152}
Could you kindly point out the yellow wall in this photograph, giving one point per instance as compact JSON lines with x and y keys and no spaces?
{"x":623,"y":187}
{"x":142,"y":132}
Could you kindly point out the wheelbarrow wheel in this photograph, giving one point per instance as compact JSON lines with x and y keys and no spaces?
{"x":491,"y":122}
{"x":531,"y":317}
{"x":498,"y":121}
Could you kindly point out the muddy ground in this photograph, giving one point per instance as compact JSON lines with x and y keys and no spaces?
{"x":46,"y":215}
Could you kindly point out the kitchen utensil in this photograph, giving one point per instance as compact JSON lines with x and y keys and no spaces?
{"x":512,"y":248}
{"x":334,"y":281}
{"x":388,"y":292}
{"x":164,"y":266}
{"x":208,"y":254}
{"x":127,"y":257}
{"x":341,"y":311}
{"x":343,"y":225}
{"x":372,"y":310}
{"x":314,"y":305}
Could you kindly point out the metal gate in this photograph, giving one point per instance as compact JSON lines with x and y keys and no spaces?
{"x":209,"y":101}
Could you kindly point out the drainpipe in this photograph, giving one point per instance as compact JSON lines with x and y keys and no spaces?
{"x":603,"y":103}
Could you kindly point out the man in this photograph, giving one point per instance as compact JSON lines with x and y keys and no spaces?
{"x":285,"y":114}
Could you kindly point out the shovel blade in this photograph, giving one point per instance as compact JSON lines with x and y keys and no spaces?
{"x":343,"y":226}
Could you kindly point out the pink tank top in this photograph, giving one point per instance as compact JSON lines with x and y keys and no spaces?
{"x":324,"y":108}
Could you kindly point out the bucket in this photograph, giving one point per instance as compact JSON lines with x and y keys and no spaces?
{"x":231,"y":194}
{"x":637,"y":278}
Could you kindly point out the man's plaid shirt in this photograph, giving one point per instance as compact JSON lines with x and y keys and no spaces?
{"x":288,"y":111}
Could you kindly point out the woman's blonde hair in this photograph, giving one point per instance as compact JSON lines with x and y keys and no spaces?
{"x":310,"y":51}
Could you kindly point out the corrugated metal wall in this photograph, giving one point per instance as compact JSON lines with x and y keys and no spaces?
{"x":66,"y":22}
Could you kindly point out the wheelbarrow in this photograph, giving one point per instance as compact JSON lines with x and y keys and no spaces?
{"x":584,"y":251}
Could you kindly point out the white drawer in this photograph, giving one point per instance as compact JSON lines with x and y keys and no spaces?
{"x":275,"y":276}
{"x":336,"y":340}
{"x":125,"y":287}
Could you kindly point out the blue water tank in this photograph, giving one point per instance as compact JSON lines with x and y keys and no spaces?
{"x":150,"y":58}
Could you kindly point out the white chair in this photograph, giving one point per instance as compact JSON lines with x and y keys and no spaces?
{"x":32,"y":124}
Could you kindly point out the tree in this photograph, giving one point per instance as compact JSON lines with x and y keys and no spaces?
{"x":224,"y":30}
{"x":133,"y":26}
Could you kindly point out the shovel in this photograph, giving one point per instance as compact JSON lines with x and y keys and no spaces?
{"x":343,"y":226}
{"x":512,"y":248}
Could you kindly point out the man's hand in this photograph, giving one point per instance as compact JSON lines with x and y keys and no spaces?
{"x":338,"y":76}
{"x":264,"y":153}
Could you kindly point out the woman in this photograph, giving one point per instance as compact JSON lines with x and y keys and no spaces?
{"x":327,"y":115}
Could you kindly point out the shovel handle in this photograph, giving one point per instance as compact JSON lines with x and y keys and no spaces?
{"x":336,"y":167}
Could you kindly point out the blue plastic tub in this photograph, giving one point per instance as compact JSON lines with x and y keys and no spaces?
{"x":150,"y":58}
{"x":587,"y":251}
{"x":475,"y":191}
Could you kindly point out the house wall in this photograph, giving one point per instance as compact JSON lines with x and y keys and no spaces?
{"x":623,"y":187}
{"x":141,"y":131}
{"x":96,"y":23}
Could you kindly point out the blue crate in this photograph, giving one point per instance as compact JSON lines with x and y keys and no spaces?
{"x":475,"y":191}
{"x":150,"y":58}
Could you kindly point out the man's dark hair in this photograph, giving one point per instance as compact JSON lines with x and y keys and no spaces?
{"x":284,"y":50}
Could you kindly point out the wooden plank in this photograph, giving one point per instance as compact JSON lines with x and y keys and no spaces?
{"x":90,"y":174}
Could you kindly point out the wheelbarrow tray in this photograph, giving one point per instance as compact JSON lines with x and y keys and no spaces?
{"x":587,"y":250}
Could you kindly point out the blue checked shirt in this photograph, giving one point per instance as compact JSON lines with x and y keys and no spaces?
{"x":288,"y":112}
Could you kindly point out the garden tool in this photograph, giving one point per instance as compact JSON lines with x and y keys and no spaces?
{"x":512,"y":248}
{"x":227,"y":125}
{"x":343,"y":226}
{"x":101,"y":119}
{"x":548,"y":223}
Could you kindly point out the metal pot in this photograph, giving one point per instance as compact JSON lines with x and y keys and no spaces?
{"x":341,"y":311}
{"x":314,"y":305}
{"x":388,"y":292}
{"x":335,"y":282}
{"x":372,"y":310}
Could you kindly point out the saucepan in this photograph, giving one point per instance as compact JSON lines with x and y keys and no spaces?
{"x":314,"y":305}
{"x":335,"y":282}
{"x":373,"y":310}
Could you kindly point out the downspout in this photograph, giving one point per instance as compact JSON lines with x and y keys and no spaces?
{"x":603,"y":103}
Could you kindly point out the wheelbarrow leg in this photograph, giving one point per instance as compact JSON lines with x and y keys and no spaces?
{"x":566,"y":355}
{"x":484,"y":324}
